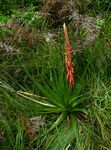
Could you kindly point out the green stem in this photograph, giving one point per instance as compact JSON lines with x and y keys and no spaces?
{"x":57,"y":122}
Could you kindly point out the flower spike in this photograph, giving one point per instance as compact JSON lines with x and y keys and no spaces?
{"x":68,"y":62}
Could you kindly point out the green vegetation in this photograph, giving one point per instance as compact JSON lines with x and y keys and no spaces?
{"x":38,"y":108}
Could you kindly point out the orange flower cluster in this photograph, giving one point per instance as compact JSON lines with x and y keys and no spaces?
{"x":68,"y":62}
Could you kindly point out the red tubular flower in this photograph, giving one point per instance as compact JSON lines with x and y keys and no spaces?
{"x":68,"y":62}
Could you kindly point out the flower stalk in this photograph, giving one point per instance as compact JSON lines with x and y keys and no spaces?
{"x":68,"y":61}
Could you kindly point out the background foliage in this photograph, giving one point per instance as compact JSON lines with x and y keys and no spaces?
{"x":38,"y":110}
